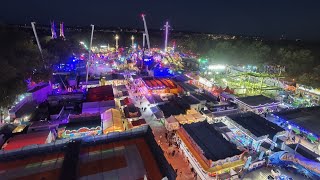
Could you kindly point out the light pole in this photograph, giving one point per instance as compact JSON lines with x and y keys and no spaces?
{"x":117,"y":38}
{"x":88,"y":62}
{"x":132,"y":41}
{"x":37,"y":39}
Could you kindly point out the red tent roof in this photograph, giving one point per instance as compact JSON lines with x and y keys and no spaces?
{"x":102,"y":93}
{"x":127,"y":101}
{"x":138,"y":122}
{"x":22,"y":140}
{"x":219,"y":90}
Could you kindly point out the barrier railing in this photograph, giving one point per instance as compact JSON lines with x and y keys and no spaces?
{"x":61,"y":144}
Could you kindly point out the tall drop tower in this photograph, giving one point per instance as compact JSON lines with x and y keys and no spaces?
{"x":62,"y":30}
{"x":53,"y":31}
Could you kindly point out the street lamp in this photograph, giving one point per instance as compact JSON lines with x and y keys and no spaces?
{"x":132,"y":41}
{"x":117,"y":38}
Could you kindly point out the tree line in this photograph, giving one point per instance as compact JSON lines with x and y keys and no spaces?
{"x":20,"y":60}
{"x":300,"y":61}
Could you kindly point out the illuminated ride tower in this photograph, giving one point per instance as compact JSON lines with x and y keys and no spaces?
{"x":117,"y":42}
{"x":132,"y":42}
{"x":62,"y":30}
{"x":166,"y":26}
{"x":146,"y":30}
{"x":53,"y":31}
{"x":143,"y":40}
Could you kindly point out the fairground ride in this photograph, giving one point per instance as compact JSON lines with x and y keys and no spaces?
{"x":254,"y":83}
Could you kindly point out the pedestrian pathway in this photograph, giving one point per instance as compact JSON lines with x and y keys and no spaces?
{"x":178,"y":161}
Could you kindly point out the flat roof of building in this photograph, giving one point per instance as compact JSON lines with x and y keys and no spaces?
{"x":158,"y":83}
{"x":187,"y":87}
{"x":154,"y":99}
{"x":171,"y":108}
{"x":181,"y":78}
{"x":199,"y":96}
{"x":257,"y":100}
{"x":26,"y":110}
{"x":213,"y":144}
{"x":256,"y":124}
{"x":114,"y":77}
{"x":190,"y":100}
{"x":121,"y":88}
{"x":131,"y":111}
{"x":101,"y":93}
{"x":181,"y":103}
{"x":308,"y":118}
{"x":209,"y":97}
{"x":37,"y":88}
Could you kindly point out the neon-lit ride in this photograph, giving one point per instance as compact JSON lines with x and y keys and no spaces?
{"x":53,"y":31}
{"x":303,"y":165}
{"x":146,"y":30}
{"x":62,"y":30}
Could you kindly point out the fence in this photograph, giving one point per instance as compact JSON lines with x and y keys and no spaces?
{"x":61,"y":144}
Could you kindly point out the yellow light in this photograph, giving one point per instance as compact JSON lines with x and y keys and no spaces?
{"x":117,"y":37}
{"x":132,"y":37}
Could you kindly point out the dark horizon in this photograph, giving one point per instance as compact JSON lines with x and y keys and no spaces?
{"x":272,"y":19}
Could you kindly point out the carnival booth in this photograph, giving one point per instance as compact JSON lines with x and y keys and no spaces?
{"x":80,"y":126}
{"x":181,"y":119}
{"x":171,"y":123}
{"x":112,"y":121}
{"x":190,"y":118}
{"x":113,"y":79}
{"x":258,"y":104}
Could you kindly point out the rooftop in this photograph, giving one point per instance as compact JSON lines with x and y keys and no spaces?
{"x":199,"y":96}
{"x":256,"y":100}
{"x":181,"y":78}
{"x":158,"y":83}
{"x":22,"y":140}
{"x":256,"y":124}
{"x":154,"y":99}
{"x":190,"y":100}
{"x":207,"y":138}
{"x":131,"y":111}
{"x":121,"y":88}
{"x":101,"y":93}
{"x":209,"y":97}
{"x":37,"y":88}
{"x":170,"y":108}
{"x":187,"y":87}
{"x":114,"y":77}
{"x":26,"y":110}
{"x":308,"y":118}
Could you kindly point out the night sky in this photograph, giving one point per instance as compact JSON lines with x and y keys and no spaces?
{"x":269,"y":18}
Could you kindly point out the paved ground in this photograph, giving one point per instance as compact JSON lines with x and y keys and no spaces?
{"x":184,"y":170}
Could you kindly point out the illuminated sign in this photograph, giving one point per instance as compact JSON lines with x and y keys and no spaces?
{"x":217,"y":67}
{"x":205,"y":82}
